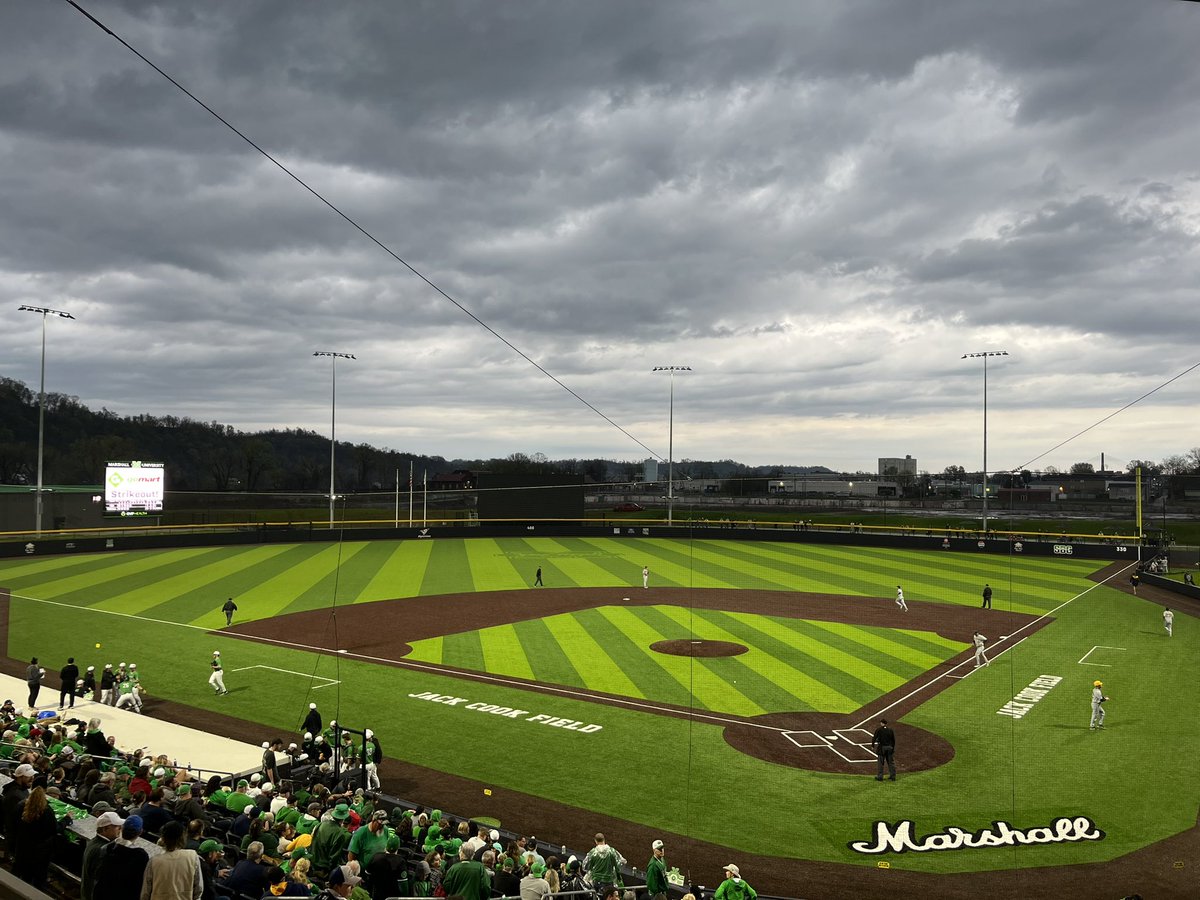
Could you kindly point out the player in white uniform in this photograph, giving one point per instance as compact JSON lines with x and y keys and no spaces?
{"x":1168,"y":621}
{"x":217,"y":678}
{"x":900,"y":598}
{"x":980,"y":657}
{"x":1098,"y":699}
{"x":645,"y":576}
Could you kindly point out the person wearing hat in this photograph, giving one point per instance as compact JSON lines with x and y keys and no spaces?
{"x":270,"y":762}
{"x":468,"y":878}
{"x":656,"y":872}
{"x":217,"y":678}
{"x":341,"y":883}
{"x":507,"y":883}
{"x":603,"y":863}
{"x":122,"y":865}
{"x":369,"y":840}
{"x":733,"y":887}
{"x":211,"y":853}
{"x":372,"y":754}
{"x":1098,"y":699}
{"x":387,"y":869}
{"x":229,"y":608}
{"x":330,"y":839}
{"x":108,"y":829}
{"x":534,"y":886}
{"x":87,"y":687}
{"x":312,"y":722}
{"x":237,"y":802}
{"x":15,"y":793}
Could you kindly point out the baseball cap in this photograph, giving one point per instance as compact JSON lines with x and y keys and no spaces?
{"x":312,"y":706}
{"x":732,"y":868}
{"x":133,"y":823}
{"x":209,"y":846}
{"x":493,"y":835}
{"x":538,"y":869}
{"x":109,"y":818}
{"x":1097,"y":684}
{"x":101,"y":806}
{"x":91,"y":668}
{"x":216,"y":653}
{"x":25,"y":770}
{"x":380,"y":815}
{"x":185,"y":788}
{"x":343,"y":875}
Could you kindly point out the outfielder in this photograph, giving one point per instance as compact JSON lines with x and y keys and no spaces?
{"x":1169,"y":621}
{"x":900,"y":598}
{"x":645,"y":576}
{"x":217,"y":678}
{"x":980,"y":657}
{"x":1098,"y":699}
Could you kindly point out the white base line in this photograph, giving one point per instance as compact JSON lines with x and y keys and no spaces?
{"x":290,"y":672}
{"x":949,"y":674}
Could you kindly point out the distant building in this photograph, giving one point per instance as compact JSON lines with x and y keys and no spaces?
{"x":650,"y":471}
{"x":892,"y":465}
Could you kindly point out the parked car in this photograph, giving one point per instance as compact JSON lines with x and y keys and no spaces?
{"x":628,"y":507}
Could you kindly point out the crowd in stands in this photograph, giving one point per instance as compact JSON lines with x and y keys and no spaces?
{"x":312,"y":834}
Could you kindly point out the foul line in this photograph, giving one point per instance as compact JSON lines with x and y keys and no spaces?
{"x":948,"y":673}
{"x":290,"y":672}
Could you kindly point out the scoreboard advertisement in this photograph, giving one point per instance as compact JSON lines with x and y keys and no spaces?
{"x":133,"y":488}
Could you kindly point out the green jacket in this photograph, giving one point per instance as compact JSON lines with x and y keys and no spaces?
{"x":604,"y":863}
{"x":656,"y":876}
{"x":329,"y":843}
{"x":735,"y":889}
{"x":469,"y":879}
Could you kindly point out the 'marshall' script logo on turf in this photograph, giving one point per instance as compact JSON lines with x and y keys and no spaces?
{"x":898,"y":838}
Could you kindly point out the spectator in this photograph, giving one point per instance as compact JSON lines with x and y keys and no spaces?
{"x":32,"y":841}
{"x":468,"y":878}
{"x":103,"y":791}
{"x":370,"y":839}
{"x":187,"y":807}
{"x":210,"y":853}
{"x":330,"y":840}
{"x":122,"y":865}
{"x":249,"y":875}
{"x":154,"y":816}
{"x":175,"y":873}
{"x":342,"y":882}
{"x":15,"y":794}
{"x":534,"y":886}
{"x":603,"y":863}
{"x":507,"y":882}
{"x":279,"y":885}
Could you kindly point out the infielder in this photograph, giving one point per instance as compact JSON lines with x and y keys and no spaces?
{"x":900,"y":598}
{"x":1168,"y":621}
{"x":645,"y":576}
{"x":217,"y":678}
{"x":980,"y":657}
{"x":1098,"y":699}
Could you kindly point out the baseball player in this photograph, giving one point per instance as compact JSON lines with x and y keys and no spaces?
{"x":1098,"y":699}
{"x":1168,"y":621}
{"x":900,"y":598}
{"x":645,"y":576}
{"x":217,"y":678}
{"x":108,"y":685}
{"x":980,"y":657}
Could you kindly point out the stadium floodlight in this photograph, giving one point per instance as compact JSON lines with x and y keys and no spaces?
{"x":984,"y":355}
{"x":44,"y":311}
{"x":334,"y":356}
{"x":671,"y":438}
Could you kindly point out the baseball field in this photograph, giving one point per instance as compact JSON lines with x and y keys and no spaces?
{"x":727,"y":707}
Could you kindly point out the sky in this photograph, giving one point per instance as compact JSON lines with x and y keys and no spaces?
{"x":817,"y":207}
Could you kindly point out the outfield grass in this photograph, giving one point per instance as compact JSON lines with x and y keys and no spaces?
{"x":159,"y":608}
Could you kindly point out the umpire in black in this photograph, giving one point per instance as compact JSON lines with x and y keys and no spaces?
{"x":884,"y":743}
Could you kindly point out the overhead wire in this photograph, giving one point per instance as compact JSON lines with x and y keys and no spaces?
{"x":364,"y":232}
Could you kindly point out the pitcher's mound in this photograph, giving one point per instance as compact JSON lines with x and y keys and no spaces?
{"x":699,"y":648}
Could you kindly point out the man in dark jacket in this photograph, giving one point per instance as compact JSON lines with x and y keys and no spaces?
{"x":312,"y":722}
{"x":33,"y":678}
{"x":15,"y":793}
{"x":884,"y":742}
{"x":122,"y":865}
{"x":68,"y":676}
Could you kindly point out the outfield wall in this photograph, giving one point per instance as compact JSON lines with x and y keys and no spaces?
{"x":266,"y":534}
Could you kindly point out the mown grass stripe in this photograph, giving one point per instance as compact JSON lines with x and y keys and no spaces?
{"x":845,"y":656}
{"x":136,"y":570}
{"x":564,"y":567}
{"x":638,"y":623}
{"x":815,"y":572}
{"x":597,"y":669}
{"x":490,"y":569}
{"x":447,"y":571}
{"x":903,"y":650}
{"x":749,"y":574}
{"x":628,"y":638}
{"x":464,"y":650}
{"x":547,"y":658}
{"x":798,"y":682}
{"x":503,"y":652}
{"x":17,"y":573}
{"x":311,"y":584}
{"x":401,"y":573}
